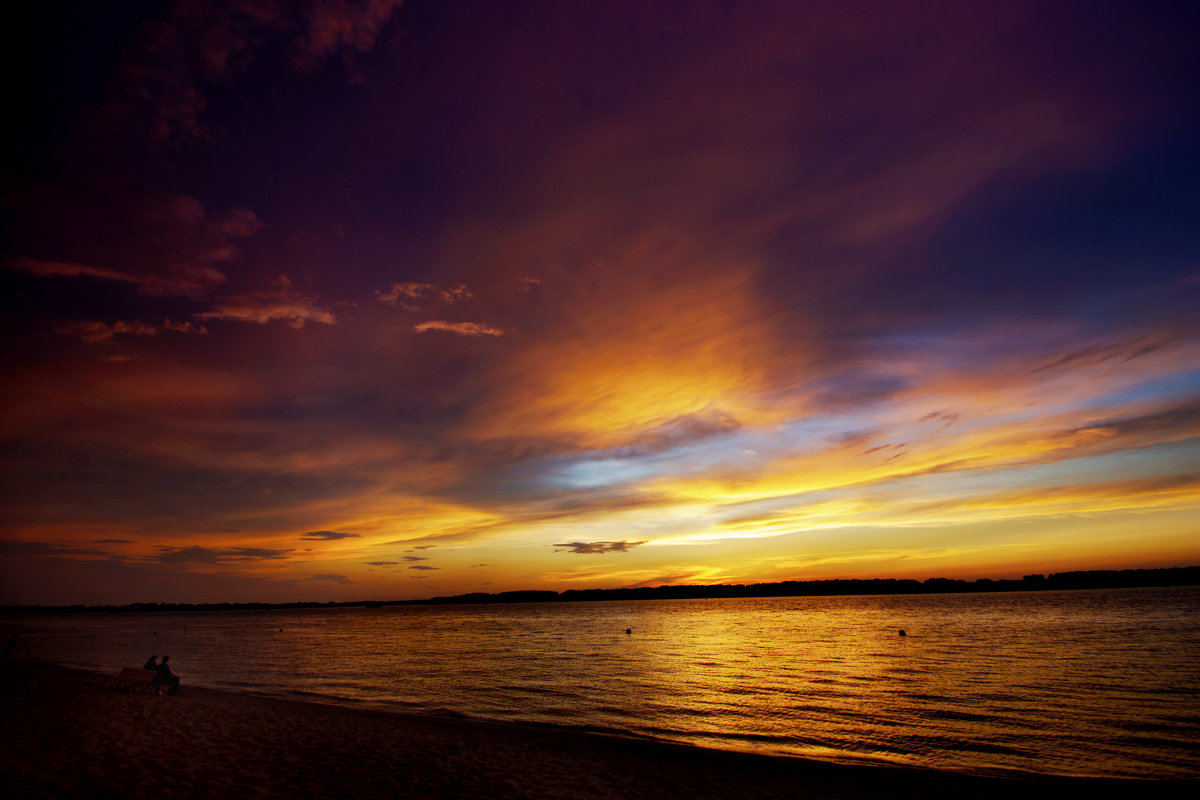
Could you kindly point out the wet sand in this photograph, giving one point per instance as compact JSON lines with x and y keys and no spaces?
{"x":63,"y":735}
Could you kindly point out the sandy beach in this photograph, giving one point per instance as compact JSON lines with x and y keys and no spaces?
{"x":64,"y":735}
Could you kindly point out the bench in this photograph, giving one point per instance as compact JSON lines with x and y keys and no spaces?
{"x":134,"y":680}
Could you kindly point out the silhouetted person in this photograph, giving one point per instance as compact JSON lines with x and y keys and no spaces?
{"x":167,"y":679}
{"x":151,"y":663}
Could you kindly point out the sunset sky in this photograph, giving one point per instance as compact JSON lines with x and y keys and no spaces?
{"x":335,"y":300}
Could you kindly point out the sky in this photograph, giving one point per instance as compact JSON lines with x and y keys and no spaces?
{"x":336,"y":300}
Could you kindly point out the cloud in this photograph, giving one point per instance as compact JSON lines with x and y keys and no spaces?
{"x":412,"y":296}
{"x":459,"y":328}
{"x":595,"y":548}
{"x":49,"y":269}
{"x":184,"y":327}
{"x":421,"y":567}
{"x":1101,"y":352}
{"x":338,"y":26}
{"x":166,"y":245}
{"x":164,"y":86}
{"x":204,"y":555}
{"x":886,"y":446}
{"x":415,"y":558}
{"x":328,"y":536}
{"x":1182,"y":419}
{"x":294,"y":308}
{"x":686,"y":429}
{"x":114,"y":541}
{"x":330,"y":578}
{"x":23,"y":548}
{"x":382,"y":563}
{"x":94,"y":332}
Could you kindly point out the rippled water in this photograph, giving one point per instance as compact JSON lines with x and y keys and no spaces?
{"x":1100,"y":683}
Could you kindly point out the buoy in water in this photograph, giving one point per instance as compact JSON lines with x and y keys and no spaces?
{"x":902,"y":633}
{"x":629,"y":630}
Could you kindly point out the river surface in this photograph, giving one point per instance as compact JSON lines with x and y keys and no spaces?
{"x":1093,"y":683}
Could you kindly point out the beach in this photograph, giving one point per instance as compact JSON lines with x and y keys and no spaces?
{"x":66,"y":735}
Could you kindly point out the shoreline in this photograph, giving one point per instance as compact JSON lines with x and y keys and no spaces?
{"x":65,"y":735}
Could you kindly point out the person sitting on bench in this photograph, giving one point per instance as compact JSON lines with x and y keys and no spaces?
{"x":166,"y":679}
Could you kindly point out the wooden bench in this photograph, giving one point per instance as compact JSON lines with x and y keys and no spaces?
{"x":134,"y":680}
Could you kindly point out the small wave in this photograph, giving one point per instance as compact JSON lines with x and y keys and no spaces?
{"x":966,"y":745}
{"x":946,"y":713}
{"x":1159,"y":742}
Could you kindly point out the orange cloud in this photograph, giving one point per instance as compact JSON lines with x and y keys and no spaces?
{"x":459,"y":328}
{"x":294,"y":308}
{"x":92,"y":332}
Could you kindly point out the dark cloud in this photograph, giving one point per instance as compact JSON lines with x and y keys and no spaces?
{"x":23,"y":548}
{"x":421,"y":567}
{"x":165,"y":245}
{"x":413,"y":296}
{"x":328,"y":536}
{"x":1120,"y":352}
{"x":595,"y":548}
{"x":382,"y":563}
{"x":686,"y":429}
{"x":415,"y":558}
{"x":205,"y":555}
{"x":944,"y":416}
{"x":331,"y":578}
{"x":1179,"y":420}
{"x":878,"y":448}
{"x":114,"y":541}
{"x":163,"y":87}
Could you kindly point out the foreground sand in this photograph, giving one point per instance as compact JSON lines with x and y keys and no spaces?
{"x":62,"y":735}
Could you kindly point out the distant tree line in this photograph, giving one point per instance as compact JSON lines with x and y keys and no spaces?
{"x":1087,"y":579}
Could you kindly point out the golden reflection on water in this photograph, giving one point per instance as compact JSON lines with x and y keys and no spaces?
{"x":1090,"y":683}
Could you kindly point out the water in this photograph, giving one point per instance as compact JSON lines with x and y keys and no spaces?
{"x":1094,"y":683}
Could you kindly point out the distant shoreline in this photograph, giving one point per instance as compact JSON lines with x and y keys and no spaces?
{"x":1086,"y":579}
